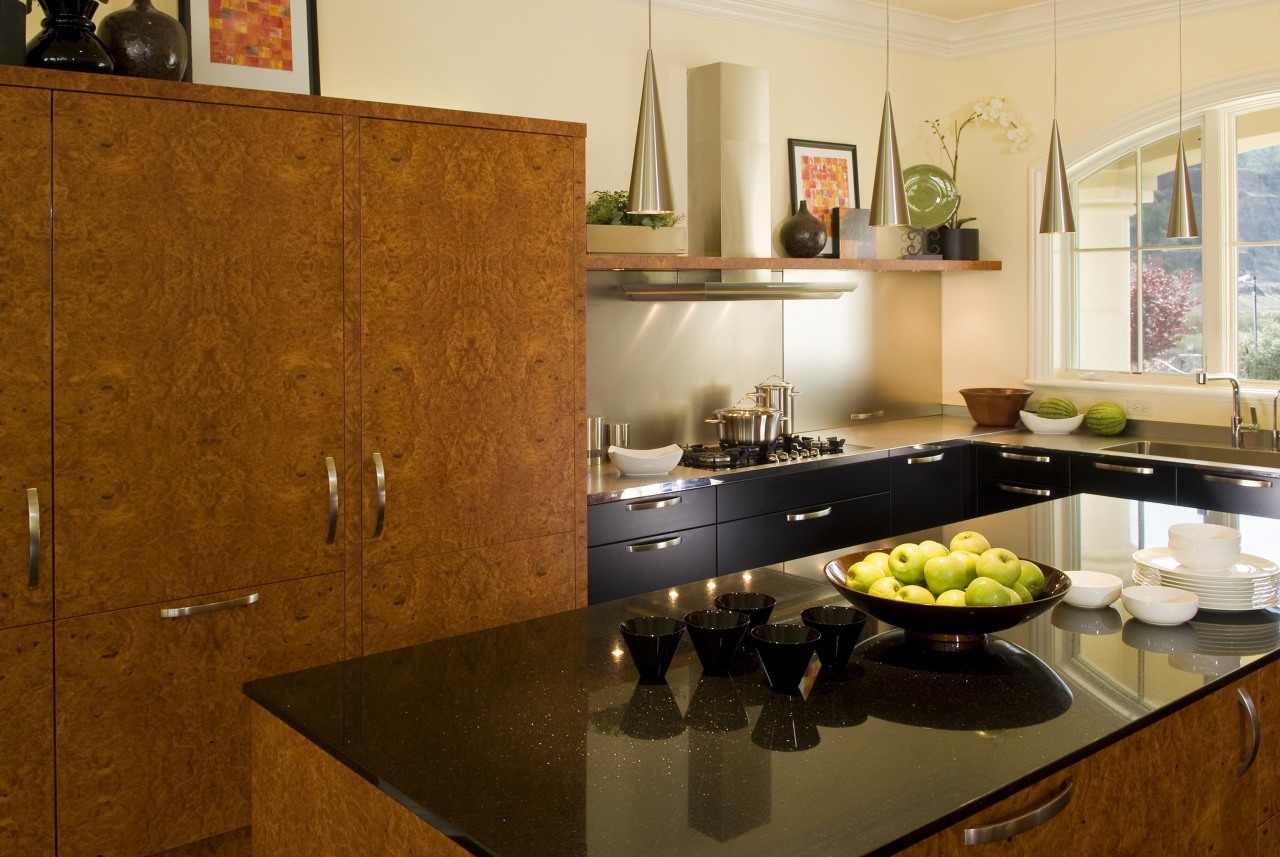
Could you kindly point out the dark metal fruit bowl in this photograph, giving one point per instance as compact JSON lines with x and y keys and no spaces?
{"x":947,"y":628}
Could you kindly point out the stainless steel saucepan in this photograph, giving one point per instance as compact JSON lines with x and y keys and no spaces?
{"x":774,"y":392}
{"x":746,"y":424}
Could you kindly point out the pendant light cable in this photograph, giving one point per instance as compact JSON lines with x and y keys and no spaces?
{"x":888,"y":197}
{"x":1056,"y":215}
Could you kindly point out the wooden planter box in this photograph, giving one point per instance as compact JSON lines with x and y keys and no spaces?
{"x":639,"y":240}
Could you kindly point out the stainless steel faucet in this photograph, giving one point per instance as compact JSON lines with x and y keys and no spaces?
{"x":1237,"y":426}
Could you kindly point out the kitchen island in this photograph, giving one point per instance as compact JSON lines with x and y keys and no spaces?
{"x":535,"y":738}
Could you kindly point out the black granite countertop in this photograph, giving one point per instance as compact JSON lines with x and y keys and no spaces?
{"x":535,"y":738}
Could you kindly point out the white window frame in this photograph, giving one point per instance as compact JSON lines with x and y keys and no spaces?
{"x":1215,"y":107}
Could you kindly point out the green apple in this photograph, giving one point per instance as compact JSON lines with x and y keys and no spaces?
{"x":1001,"y":565}
{"x":944,"y":572}
{"x":879,"y":558}
{"x":862,"y":574}
{"x":951,"y":598}
{"x":906,"y":563}
{"x":932,"y":548}
{"x":914,"y":594}
{"x":968,"y":540}
{"x":885,"y":587}
{"x":985,"y":592}
{"x":1025,"y":597}
{"x":970,"y":560}
{"x":1031,"y":577}
{"x":1014,"y":597}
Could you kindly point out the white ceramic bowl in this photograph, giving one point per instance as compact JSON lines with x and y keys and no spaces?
{"x":645,"y":462}
{"x":1159,"y":605}
{"x":1205,"y":547}
{"x":1092,"y":588}
{"x":1043,"y":425}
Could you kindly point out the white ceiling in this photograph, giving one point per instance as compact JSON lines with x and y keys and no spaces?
{"x":959,"y":10}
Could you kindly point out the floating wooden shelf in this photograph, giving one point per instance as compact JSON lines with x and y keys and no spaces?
{"x":611,"y":262}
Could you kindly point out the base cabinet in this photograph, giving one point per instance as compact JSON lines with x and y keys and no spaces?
{"x":929,"y":486}
{"x":1007,"y":478}
{"x":26,"y":741}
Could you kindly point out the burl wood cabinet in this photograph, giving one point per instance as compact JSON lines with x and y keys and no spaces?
{"x":192,"y":357}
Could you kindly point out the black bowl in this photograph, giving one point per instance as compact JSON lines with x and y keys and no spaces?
{"x":716,"y":636}
{"x":785,"y":652}
{"x":652,"y":642}
{"x":840,"y":627}
{"x":756,"y":605}
{"x":947,"y":628}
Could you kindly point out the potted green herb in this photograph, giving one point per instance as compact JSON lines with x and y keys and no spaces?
{"x":610,"y":229}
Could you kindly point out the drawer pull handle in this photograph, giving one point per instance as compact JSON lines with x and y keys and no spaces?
{"x":333,"y":499}
{"x":1022,"y":823}
{"x":380,"y":473}
{"x":1243,"y":483}
{"x":1125,"y":468}
{"x":180,"y":612}
{"x":1246,"y":702}
{"x":1018,"y":489}
{"x":809,"y":516}
{"x":926,"y":459}
{"x":869,"y":415}
{"x":655,"y":546}
{"x":1035,"y":459}
{"x":33,"y":534}
{"x":653,"y":504}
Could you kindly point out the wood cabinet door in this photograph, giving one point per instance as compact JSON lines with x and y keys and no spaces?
{"x":25,"y":307}
{"x":1265,"y":686}
{"x":469,"y":272}
{"x":197,"y":347}
{"x":152,"y":725}
{"x":26,"y":736}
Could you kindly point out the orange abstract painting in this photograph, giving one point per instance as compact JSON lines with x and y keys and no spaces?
{"x":825,"y":183}
{"x":251,"y":33}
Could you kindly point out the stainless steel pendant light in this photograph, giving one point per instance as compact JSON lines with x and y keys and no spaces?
{"x":1056,"y":212}
{"x":650,"y":191}
{"x":888,"y":197}
{"x":1182,"y":210}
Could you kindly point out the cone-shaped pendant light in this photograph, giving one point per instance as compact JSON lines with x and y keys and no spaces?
{"x":1182,"y":211}
{"x":888,"y":197}
{"x":1056,"y":212}
{"x":650,"y":191}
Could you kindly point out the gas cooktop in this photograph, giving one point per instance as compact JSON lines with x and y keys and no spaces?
{"x":788,"y":448}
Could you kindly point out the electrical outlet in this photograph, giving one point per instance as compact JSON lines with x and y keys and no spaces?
{"x":1139,"y":408}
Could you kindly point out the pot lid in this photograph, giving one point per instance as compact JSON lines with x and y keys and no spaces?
{"x":738,"y":409}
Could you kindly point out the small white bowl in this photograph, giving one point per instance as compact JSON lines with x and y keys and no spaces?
{"x":1159,"y":605}
{"x":1043,"y":425}
{"x":1205,"y":547}
{"x":1092,"y":589}
{"x":645,"y":462}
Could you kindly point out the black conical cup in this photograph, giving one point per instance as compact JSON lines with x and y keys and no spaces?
{"x":716,"y":636}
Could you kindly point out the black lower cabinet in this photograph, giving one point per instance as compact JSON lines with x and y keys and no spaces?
{"x":1133,"y":480}
{"x":994,"y":495}
{"x":752,"y":542}
{"x":1229,"y":491}
{"x":623,"y":569}
{"x":930,"y":486}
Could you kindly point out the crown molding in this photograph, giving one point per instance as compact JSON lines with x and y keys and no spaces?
{"x":863,"y":22}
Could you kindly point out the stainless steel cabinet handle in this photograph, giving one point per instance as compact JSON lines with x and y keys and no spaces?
{"x":333,"y":499}
{"x":1022,"y":823}
{"x":1246,"y":702}
{"x":867,"y":416}
{"x":380,"y":472}
{"x":1243,"y":483}
{"x":655,"y":546}
{"x":926,"y":459}
{"x":1124,"y":468}
{"x":179,"y":612}
{"x":809,"y":516}
{"x":1019,"y":456}
{"x":653,"y":504}
{"x":1018,"y":489}
{"x":33,"y":533}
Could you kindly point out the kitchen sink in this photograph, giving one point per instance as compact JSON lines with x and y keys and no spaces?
{"x":1199,"y":452}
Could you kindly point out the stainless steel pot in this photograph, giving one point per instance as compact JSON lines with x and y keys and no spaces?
{"x":778,"y":395}
{"x":750,"y":425}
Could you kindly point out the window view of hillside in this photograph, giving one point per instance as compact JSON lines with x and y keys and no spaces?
{"x":1258,"y":244}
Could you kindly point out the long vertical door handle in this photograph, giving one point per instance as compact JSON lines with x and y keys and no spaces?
{"x":1246,"y":702}
{"x":333,"y":499}
{"x":33,"y":531}
{"x":380,"y":471}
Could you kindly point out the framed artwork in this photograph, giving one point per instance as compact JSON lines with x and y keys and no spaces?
{"x":825,"y":175}
{"x":254,"y":44}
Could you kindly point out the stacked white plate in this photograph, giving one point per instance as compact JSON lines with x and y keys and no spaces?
{"x":1253,"y":583}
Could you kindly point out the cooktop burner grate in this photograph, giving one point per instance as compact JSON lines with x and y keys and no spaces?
{"x":788,"y":448}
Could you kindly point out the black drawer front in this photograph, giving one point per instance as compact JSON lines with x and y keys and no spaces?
{"x":1243,"y":493}
{"x":661,"y":513}
{"x":751,"y":497}
{"x":1134,"y":480}
{"x":1028,"y":465}
{"x":930,"y":487}
{"x":753,"y":542}
{"x":999,"y":495}
{"x":630,"y":568}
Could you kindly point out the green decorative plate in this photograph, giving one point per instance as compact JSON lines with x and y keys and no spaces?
{"x":931,"y":195}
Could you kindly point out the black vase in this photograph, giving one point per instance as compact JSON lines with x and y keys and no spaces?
{"x":145,"y":42}
{"x":803,"y":236}
{"x":66,"y":39}
{"x":958,"y":244}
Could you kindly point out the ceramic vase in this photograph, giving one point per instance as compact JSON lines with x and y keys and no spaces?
{"x":145,"y":42}
{"x":67,"y":40}
{"x":959,"y":244}
{"x":803,"y":236}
